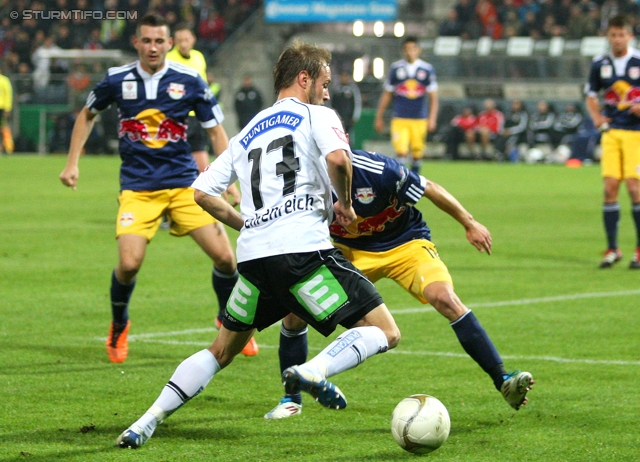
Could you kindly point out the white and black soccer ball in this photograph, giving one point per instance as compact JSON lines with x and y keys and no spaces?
{"x":420,"y":424}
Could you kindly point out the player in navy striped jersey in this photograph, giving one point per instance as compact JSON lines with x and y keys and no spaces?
{"x":617,"y":76}
{"x":389,"y":239}
{"x":154,"y":97}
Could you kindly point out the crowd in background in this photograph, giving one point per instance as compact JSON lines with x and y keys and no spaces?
{"x":27,"y":27}
{"x":539,"y":19}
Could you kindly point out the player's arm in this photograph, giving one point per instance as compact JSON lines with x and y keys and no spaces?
{"x":385,"y":99}
{"x":220,"y":142}
{"x":477,"y":234}
{"x":210,"y":187}
{"x":339,"y":167}
{"x":434,"y":106}
{"x":220,"y":209}
{"x":81,"y":130}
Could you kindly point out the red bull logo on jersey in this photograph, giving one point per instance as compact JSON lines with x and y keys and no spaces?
{"x":622,"y":95}
{"x":176,"y":90}
{"x":411,"y":89}
{"x":365,"y":195}
{"x":153,"y":129}
{"x":369,"y":225}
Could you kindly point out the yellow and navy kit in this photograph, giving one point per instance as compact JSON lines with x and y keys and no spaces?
{"x":410,"y":84}
{"x":153,"y":111}
{"x":621,"y":87}
{"x":383,"y":193}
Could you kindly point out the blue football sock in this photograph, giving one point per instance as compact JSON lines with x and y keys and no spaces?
{"x":611,"y":216}
{"x":292,"y":352}
{"x":476,"y":342}
{"x":223,"y":284}
{"x":636,"y":219}
{"x":120,"y":295}
{"x":415,"y":166}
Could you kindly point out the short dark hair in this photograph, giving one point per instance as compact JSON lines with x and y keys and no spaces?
{"x":299,"y":57}
{"x":620,"y":20}
{"x":410,"y":39}
{"x":153,"y":20}
{"x":183,"y":26}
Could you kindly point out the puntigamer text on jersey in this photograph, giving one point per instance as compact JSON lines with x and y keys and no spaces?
{"x":284,"y":119}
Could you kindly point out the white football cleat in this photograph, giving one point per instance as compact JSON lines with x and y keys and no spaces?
{"x":285,"y":408}
{"x":515,"y":388}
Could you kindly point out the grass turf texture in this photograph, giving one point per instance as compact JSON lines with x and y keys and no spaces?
{"x":63,"y":400}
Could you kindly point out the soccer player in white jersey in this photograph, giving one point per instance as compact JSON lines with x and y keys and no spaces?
{"x":287,"y":160}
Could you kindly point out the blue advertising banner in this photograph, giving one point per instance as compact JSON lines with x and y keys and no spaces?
{"x":330,"y":10}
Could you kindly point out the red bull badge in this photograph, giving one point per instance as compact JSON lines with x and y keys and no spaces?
{"x":176,"y":90}
{"x":365,"y":195}
{"x":634,"y":73}
{"x":126,"y":219}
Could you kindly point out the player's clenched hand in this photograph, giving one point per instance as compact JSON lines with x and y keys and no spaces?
{"x":344,"y":215}
{"x":479,"y":236}
{"x":69,"y":176}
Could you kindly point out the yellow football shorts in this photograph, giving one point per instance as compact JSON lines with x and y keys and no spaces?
{"x":620,"y":154}
{"x":409,"y":135}
{"x":140,"y":212}
{"x":413,"y":265}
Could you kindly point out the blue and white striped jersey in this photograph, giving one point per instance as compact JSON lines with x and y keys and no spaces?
{"x":384,"y":194}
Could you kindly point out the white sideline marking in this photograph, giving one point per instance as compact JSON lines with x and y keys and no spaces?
{"x":153,"y":336}
{"x":438,"y":353}
{"x":529,"y":301}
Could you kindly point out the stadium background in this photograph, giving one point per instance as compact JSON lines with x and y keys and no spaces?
{"x":503,"y":49}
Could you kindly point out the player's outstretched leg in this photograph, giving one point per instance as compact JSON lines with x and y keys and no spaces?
{"x":515,"y":388}
{"x":344,"y":353}
{"x":189,"y":379}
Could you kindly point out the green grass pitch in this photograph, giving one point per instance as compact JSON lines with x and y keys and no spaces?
{"x":546,"y":306}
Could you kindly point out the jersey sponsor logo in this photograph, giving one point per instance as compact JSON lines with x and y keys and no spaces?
{"x":634,"y":73}
{"x":344,"y":343}
{"x":126,"y":219}
{"x":320,"y":293}
{"x":622,"y":95}
{"x":369,"y":225}
{"x":285,"y":119}
{"x":421,"y":74}
{"x":606,"y":71}
{"x":341,"y":134}
{"x":153,"y":128}
{"x":129,"y":89}
{"x":365,"y":195}
{"x":294,"y":204}
{"x":176,"y":90}
{"x":411,"y":89}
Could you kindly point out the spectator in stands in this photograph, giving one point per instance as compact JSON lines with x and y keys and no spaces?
{"x":541,"y":125}
{"x":64,"y":39}
{"x":490,"y":125}
{"x":211,"y":31}
{"x":530,"y":27}
{"x":463,"y":128}
{"x":22,"y":47}
{"x":248,"y":102}
{"x":42,"y":64}
{"x":111,"y":29}
{"x":493,"y":28}
{"x":450,"y":27}
{"x":528,"y":6}
{"x":94,"y":42}
{"x":515,"y":130}
{"x":579,"y":24}
{"x":566,"y":125}
{"x":486,"y":13}
{"x":506,"y":10}
{"x":24,"y":84}
{"x":233,"y":15}
{"x":466,"y":11}
{"x":346,"y":100}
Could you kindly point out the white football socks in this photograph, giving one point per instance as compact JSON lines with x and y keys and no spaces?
{"x":349,"y":350}
{"x":190,"y":378}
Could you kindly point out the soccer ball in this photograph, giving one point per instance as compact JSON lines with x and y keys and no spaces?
{"x":420,"y":424}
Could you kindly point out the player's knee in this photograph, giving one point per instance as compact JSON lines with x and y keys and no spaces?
{"x":226,"y":262}
{"x":393,"y":336}
{"x":128,"y":268}
{"x":446,"y":302}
